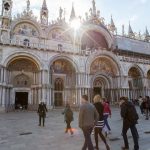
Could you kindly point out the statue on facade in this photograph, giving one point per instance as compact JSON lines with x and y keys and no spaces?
{"x":60,"y":13}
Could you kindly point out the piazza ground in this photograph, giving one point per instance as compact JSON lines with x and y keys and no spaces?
{"x":20,"y":131}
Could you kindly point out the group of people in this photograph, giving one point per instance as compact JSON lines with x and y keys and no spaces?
{"x":144,"y":104}
{"x":93,"y":117}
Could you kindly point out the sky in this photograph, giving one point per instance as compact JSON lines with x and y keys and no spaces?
{"x":123,"y":11}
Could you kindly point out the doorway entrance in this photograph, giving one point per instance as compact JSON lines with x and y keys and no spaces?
{"x":21,"y":100}
{"x":58,"y":93}
{"x":97,"y":90}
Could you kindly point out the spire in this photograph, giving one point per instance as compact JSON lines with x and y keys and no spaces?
{"x":44,"y":13}
{"x":28,"y":5}
{"x":44,"y":6}
{"x":94,"y":7}
{"x":112,"y":26}
{"x":72,"y":16}
{"x":60,"y":13}
{"x":123,"y":32}
{"x":130,"y":32}
{"x":147,"y":36}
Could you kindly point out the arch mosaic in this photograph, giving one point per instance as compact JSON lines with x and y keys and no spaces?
{"x":135,"y":71}
{"x":26,"y":29}
{"x":59,"y":34}
{"x":109,"y":57}
{"x":103,"y":65}
{"x":66,"y":58}
{"x":23,"y":55}
{"x":63,"y":66}
{"x":22,"y":64}
{"x":103,"y":31}
{"x":93,"y":40}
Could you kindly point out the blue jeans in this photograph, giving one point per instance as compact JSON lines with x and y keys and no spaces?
{"x":134,"y":135}
{"x":106,"y":122}
{"x":87,"y":135}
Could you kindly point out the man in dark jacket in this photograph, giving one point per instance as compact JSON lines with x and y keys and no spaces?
{"x":130,"y":117}
{"x":42,"y":112}
{"x":88,"y":117}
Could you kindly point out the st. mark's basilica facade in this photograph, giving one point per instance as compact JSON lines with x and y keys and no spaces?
{"x":50,"y":61}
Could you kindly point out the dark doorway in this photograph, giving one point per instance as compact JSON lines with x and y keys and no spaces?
{"x":58,"y":99}
{"x":97,"y":90}
{"x":21,"y":100}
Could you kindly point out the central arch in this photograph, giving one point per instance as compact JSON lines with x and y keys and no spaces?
{"x":63,"y":79}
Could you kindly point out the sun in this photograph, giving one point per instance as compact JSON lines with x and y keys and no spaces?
{"x":75,"y":24}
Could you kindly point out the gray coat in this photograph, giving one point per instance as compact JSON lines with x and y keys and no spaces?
{"x":88,"y":115}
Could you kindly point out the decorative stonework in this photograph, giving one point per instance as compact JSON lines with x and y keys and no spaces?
{"x":21,"y":80}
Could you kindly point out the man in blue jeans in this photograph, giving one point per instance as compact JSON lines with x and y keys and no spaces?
{"x":88,"y":117}
{"x":130,"y":117}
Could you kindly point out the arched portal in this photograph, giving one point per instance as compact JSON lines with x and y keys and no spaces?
{"x":64,"y":81}
{"x":103,"y":74}
{"x":23,"y":75}
{"x":135,"y":82}
{"x":100,"y":84}
{"x":135,"y":78}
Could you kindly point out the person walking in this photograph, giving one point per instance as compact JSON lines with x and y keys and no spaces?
{"x":140,"y":100}
{"x":88,"y":117}
{"x":42,"y":113}
{"x":68,"y":118}
{"x":130,"y":117}
{"x":106,"y":113}
{"x":100,"y":124}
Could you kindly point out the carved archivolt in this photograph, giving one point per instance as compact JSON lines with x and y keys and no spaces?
{"x":60,"y":35}
{"x":26,"y":29}
{"x":104,"y":66}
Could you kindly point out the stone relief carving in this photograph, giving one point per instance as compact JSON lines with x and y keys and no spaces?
{"x":22,"y":80}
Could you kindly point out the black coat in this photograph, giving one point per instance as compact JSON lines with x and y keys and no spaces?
{"x":129,"y":114}
{"x":42,"y":110}
{"x":100,"y":109}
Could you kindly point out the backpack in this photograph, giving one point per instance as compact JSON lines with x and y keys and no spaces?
{"x":69,"y":115}
{"x":132,"y":115}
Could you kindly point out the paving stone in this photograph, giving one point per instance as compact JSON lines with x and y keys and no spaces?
{"x":53,"y":137}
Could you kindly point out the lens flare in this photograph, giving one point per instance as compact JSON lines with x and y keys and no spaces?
{"x":75,"y":24}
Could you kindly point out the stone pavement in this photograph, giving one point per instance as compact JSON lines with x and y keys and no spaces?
{"x":14,"y":125}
